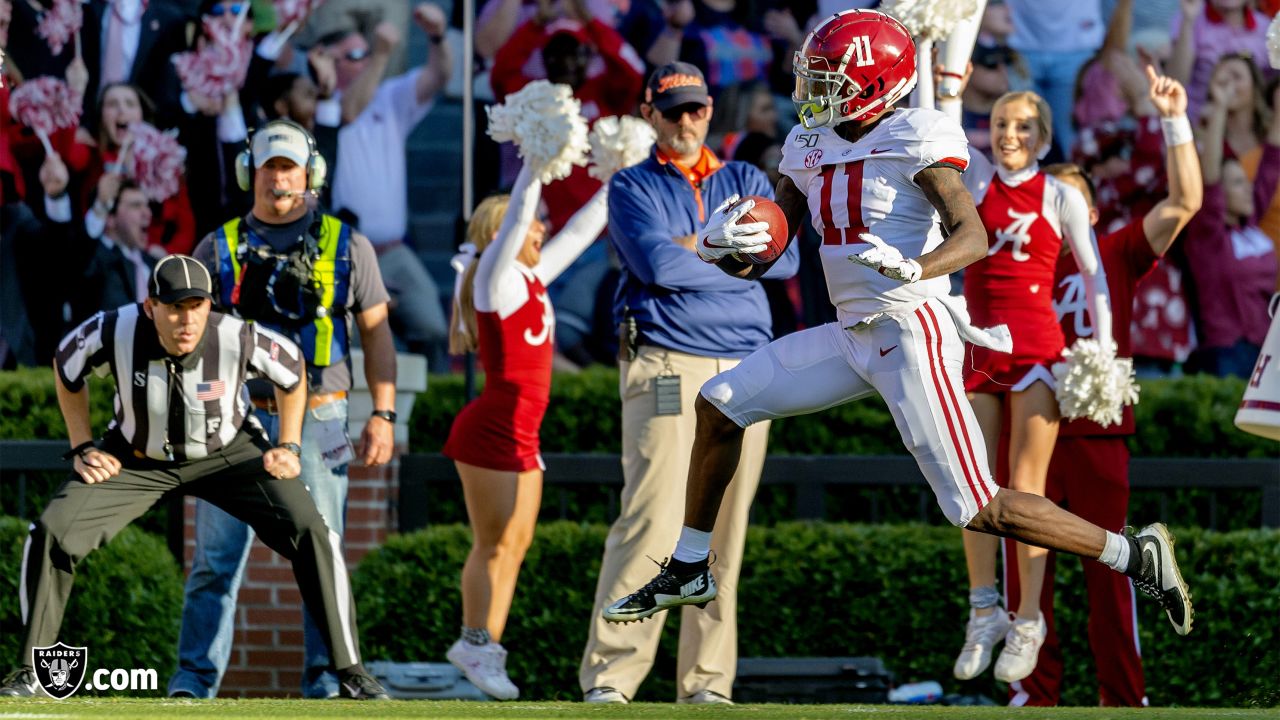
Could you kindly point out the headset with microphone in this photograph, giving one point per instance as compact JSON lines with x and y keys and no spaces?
{"x":317,"y":168}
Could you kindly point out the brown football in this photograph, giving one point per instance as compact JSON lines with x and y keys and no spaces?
{"x":767,"y":211}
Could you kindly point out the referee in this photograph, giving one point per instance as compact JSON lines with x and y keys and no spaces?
{"x":182,"y":425}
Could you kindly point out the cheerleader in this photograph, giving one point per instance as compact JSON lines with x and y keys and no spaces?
{"x":1028,"y":215}
{"x":502,"y":309}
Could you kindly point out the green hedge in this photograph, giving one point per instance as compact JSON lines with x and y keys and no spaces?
{"x":833,"y":590}
{"x":126,"y":606}
{"x":1187,"y":417}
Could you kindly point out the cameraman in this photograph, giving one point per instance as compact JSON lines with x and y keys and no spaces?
{"x":305,"y":275}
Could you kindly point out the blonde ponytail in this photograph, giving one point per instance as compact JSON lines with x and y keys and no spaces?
{"x":484,"y":225}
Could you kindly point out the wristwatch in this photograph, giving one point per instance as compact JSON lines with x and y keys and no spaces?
{"x":294,"y":448}
{"x":388,"y":415}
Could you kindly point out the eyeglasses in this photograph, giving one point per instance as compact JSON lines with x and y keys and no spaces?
{"x":693,"y":110}
{"x":220,"y":9}
{"x":356,"y":55}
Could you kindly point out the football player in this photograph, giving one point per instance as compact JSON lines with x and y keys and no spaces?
{"x":883,"y":189}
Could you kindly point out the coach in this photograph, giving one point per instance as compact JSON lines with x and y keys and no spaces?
{"x":182,"y":425}
{"x":305,"y":275}
{"x":683,"y":322}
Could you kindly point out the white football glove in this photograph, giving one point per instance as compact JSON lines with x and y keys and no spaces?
{"x":722,"y":235}
{"x":886,"y":260}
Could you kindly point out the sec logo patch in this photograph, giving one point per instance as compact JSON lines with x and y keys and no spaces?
{"x":813,"y":158}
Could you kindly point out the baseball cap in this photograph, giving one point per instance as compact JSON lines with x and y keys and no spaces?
{"x":177,"y":277}
{"x":570,"y":27}
{"x":280,"y":139}
{"x":676,"y":83}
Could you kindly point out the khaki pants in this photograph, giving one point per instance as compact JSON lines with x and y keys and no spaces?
{"x":655,"y":466}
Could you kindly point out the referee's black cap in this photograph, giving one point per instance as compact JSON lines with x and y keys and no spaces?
{"x":177,"y":277}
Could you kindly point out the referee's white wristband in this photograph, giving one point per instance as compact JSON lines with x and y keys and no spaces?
{"x":1177,"y":130}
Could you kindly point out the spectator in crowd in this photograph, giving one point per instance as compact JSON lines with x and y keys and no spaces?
{"x":740,"y":110}
{"x":121,"y":41}
{"x":682,"y":322}
{"x":370,"y":185}
{"x":358,"y":16}
{"x":723,"y":39}
{"x":283,"y":244}
{"x":1124,"y":158}
{"x":1030,"y":218}
{"x":31,"y":298}
{"x":988,"y":80}
{"x":119,"y":264}
{"x":167,"y":344}
{"x":1089,"y":472}
{"x":101,"y":167}
{"x":502,"y":310}
{"x":569,"y":46}
{"x":1231,"y":261}
{"x":1247,"y":128}
{"x":497,"y":20}
{"x":1055,"y":40}
{"x":1204,"y":32}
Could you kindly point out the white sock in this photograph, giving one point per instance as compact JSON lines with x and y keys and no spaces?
{"x":1115,"y":554}
{"x":693,"y":546}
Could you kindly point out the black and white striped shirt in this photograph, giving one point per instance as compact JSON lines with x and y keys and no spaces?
{"x":201,"y":412}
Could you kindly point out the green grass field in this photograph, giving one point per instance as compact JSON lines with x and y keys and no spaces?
{"x":453,"y":710}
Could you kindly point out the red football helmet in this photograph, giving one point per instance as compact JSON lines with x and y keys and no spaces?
{"x":853,"y":65}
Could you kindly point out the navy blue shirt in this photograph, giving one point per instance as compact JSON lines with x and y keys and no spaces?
{"x":679,"y":301}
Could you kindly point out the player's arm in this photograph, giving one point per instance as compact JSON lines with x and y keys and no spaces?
{"x":795,"y":207}
{"x":966,"y":239}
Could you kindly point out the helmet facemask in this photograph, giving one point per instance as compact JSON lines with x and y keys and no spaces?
{"x":819,"y":92}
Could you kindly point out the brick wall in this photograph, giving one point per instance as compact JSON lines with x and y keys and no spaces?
{"x":266,"y":658}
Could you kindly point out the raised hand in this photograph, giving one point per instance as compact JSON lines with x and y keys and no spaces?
{"x":1167,"y":94}
{"x":53,"y":176}
{"x":430,"y":18}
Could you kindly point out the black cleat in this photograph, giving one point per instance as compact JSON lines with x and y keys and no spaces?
{"x":360,"y":685}
{"x":22,"y":682}
{"x":667,"y":590}
{"x":1160,"y":578}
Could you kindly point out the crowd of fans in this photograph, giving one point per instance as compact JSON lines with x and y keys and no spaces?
{"x":339,"y":72}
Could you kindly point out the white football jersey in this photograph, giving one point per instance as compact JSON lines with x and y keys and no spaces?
{"x":869,"y":186}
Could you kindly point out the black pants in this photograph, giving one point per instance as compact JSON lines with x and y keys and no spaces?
{"x":82,"y":517}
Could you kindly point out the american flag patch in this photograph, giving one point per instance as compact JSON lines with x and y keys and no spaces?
{"x":210,"y":390}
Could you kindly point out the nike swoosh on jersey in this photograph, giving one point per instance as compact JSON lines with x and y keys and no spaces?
{"x":877,"y":151}
{"x":884,"y":351}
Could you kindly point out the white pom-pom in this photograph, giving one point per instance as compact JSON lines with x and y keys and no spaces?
{"x":930,"y":19}
{"x":545,"y":121}
{"x":1273,"y":42}
{"x":1094,"y":384}
{"x":617,"y":143}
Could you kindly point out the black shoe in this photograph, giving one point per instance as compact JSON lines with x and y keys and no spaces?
{"x":22,"y":682}
{"x":360,"y":685}
{"x":183,"y":695}
{"x":1159,"y":577}
{"x":672,"y":587}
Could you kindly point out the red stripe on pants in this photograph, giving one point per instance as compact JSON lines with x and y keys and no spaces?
{"x":968,"y":442}
{"x":935,"y":364}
